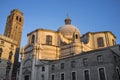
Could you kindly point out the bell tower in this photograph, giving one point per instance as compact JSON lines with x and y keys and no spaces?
{"x":14,"y":26}
{"x":13,"y":30}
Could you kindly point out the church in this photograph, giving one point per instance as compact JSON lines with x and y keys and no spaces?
{"x":65,"y":54}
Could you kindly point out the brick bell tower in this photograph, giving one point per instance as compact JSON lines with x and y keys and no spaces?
{"x":13,"y":30}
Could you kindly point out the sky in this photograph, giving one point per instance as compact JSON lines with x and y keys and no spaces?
{"x":86,"y":15}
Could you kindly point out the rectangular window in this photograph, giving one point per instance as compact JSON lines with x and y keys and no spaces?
{"x":85,"y":61}
{"x":99,"y":58}
{"x":74,"y":76}
{"x":62,"y":65}
{"x":53,"y":77}
{"x":101,"y":74}
{"x":49,"y":40}
{"x":115,"y":58}
{"x":73,"y":63}
{"x":26,"y":77}
{"x":62,"y":76}
{"x":43,"y":77}
{"x":86,"y":75}
{"x":53,"y":67}
{"x":118,"y":73}
{"x":100,"y":42}
{"x":43,"y":68}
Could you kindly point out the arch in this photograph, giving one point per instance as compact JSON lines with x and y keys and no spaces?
{"x":76,"y":36}
{"x":100,"y":42}
{"x":33,"y":39}
{"x":20,"y":19}
{"x":27,"y":63}
{"x":16,"y":17}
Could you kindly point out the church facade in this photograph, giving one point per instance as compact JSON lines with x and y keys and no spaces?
{"x":65,"y":54}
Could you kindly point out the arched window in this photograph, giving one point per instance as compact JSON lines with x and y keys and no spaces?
{"x":20,"y":20}
{"x":100,"y":42}
{"x":10,"y":55}
{"x":16,"y":17}
{"x":76,"y":36}
{"x":1,"y":52}
{"x":33,"y":39}
{"x":49,"y":40}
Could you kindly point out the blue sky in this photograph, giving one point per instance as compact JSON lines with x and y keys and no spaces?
{"x":87,"y":15}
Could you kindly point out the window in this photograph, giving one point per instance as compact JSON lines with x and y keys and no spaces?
{"x":100,"y":42}
{"x":62,"y":76}
{"x":33,"y":39}
{"x":73,"y":63}
{"x":115,"y":58}
{"x":85,"y":61}
{"x":100,"y":58}
{"x":118,"y":72}
{"x":49,"y":40}
{"x":101,"y":74}
{"x":53,"y":67}
{"x":86,"y":75}
{"x":8,"y":34}
{"x":20,"y":20}
{"x":12,"y":46}
{"x":73,"y":75}
{"x":43,"y":77}
{"x":53,"y":77}
{"x":10,"y":56}
{"x":16,"y":17}
{"x":43,"y":68}
{"x":2,"y":42}
{"x":76,"y":36}
{"x":62,"y":65}
{"x":113,"y":42}
{"x":26,"y":77}
{"x":1,"y":53}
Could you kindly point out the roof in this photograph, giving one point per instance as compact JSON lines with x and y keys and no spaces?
{"x":40,"y":29}
{"x":99,"y":32}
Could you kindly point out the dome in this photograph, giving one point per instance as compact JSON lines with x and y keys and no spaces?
{"x":68,"y":30}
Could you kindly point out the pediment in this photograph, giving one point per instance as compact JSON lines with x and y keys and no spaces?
{"x":27,"y":63}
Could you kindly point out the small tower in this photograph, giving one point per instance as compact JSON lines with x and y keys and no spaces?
{"x":67,"y":21}
{"x":13,"y":30}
